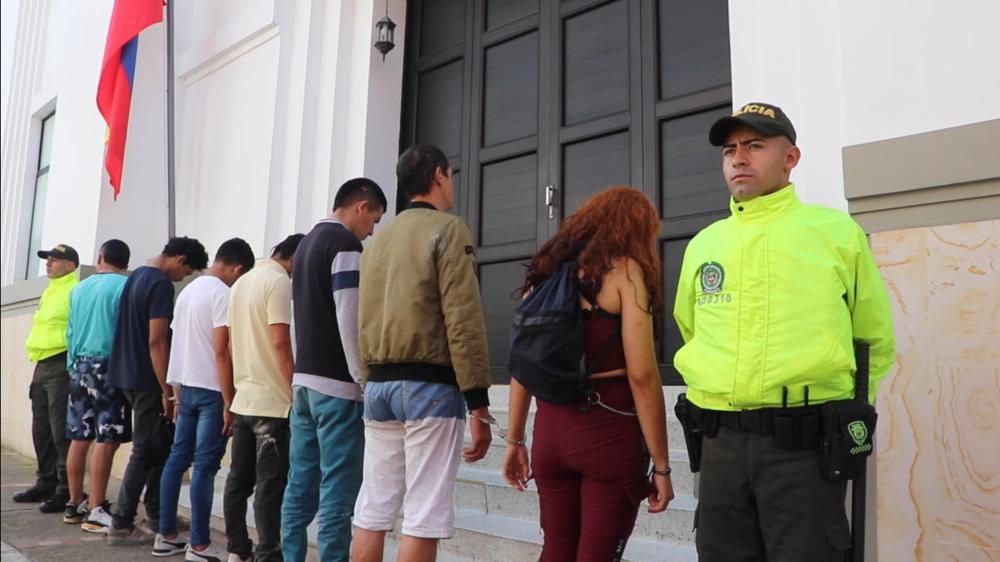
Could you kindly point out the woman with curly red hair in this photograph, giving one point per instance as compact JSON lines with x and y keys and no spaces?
{"x":590,"y":464}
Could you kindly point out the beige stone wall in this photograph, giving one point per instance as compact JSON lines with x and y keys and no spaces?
{"x":15,"y":373}
{"x":939,"y":424}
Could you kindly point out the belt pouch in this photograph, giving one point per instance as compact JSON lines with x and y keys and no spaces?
{"x":848,"y":427}
{"x":796,"y":429}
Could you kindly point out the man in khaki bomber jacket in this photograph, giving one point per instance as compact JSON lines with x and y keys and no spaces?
{"x":423,"y":347}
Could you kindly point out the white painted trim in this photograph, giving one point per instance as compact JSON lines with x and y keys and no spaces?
{"x":192,"y":73}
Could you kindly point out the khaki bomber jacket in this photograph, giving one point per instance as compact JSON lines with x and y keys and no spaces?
{"x":419,"y":313}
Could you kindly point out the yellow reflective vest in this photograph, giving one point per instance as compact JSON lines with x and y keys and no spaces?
{"x":48,"y":327}
{"x":773,"y":297}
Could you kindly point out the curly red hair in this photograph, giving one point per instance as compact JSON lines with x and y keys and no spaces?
{"x":619,"y":222}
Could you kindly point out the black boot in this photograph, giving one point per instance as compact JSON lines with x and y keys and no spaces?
{"x":33,"y":494}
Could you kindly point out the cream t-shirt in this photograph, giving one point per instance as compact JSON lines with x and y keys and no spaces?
{"x":261,"y":297}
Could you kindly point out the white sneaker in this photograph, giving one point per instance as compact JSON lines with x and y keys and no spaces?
{"x":168,"y":547}
{"x":233,"y":557}
{"x":98,"y":521}
{"x":210,"y":554}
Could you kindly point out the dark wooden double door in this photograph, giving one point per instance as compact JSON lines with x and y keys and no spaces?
{"x":541,"y":103}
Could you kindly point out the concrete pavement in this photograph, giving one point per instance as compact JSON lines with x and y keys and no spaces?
{"x":30,"y":535}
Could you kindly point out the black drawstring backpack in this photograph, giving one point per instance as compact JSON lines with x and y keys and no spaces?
{"x":547,"y":340}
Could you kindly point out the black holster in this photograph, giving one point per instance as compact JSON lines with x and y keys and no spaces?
{"x":848,"y":428}
{"x":696,"y":426}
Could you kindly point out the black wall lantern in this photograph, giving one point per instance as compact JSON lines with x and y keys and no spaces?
{"x":385,"y":33}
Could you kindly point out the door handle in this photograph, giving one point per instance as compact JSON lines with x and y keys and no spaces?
{"x":550,"y":200}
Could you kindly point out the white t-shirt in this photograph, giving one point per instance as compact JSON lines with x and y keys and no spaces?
{"x":201,"y":307}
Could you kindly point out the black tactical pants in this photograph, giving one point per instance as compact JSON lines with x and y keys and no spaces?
{"x":49,"y":394}
{"x":758,"y":502}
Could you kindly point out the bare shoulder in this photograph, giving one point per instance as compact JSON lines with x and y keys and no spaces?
{"x":623,"y":269}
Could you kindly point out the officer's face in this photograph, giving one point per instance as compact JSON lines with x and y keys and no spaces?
{"x":56,"y":268}
{"x":756,"y":165}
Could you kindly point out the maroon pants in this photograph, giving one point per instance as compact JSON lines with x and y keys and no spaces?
{"x":591,"y":472}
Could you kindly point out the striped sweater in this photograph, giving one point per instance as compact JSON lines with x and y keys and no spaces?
{"x":325,"y":301}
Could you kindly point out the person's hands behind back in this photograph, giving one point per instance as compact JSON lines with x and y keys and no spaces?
{"x":516,"y":467}
{"x":481,"y":436}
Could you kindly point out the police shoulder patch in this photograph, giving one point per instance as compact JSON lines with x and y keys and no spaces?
{"x":712,"y":276}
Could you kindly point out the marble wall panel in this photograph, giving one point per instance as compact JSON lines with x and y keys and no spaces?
{"x":939,"y":424}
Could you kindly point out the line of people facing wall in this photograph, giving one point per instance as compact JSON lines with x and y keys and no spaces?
{"x":368,"y":415}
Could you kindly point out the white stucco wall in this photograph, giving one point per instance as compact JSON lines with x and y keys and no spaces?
{"x":856,"y":72}
{"x":277,"y":104}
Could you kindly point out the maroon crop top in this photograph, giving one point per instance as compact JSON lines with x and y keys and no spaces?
{"x":599,"y":326}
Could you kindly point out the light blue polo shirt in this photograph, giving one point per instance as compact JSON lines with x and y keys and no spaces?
{"x":93,"y":314}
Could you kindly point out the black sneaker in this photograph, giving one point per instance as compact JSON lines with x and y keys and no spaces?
{"x":76,"y":514}
{"x":55,"y":504}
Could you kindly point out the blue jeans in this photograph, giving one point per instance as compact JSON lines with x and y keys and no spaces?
{"x":325,"y":459}
{"x":198,"y":437}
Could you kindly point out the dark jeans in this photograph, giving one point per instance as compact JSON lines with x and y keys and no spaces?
{"x":591,"y":472}
{"x":49,"y":394}
{"x":152,"y":435}
{"x":259,"y":457}
{"x":759,"y":502}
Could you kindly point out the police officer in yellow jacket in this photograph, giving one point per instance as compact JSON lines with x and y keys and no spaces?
{"x":49,"y":390}
{"x":769,"y":303}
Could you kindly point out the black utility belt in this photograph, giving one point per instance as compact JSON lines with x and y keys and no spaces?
{"x":841,"y":430}
{"x":61,"y":356}
{"x":793,"y":428}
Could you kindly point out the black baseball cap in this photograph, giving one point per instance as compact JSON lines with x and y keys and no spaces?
{"x":763,"y":117}
{"x":61,"y":251}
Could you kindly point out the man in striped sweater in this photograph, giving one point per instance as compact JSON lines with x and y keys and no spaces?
{"x":327,"y":445}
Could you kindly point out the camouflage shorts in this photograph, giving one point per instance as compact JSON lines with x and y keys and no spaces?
{"x":96,"y":409}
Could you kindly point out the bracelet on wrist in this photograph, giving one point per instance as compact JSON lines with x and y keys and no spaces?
{"x":662,"y":472}
{"x":516,"y":442}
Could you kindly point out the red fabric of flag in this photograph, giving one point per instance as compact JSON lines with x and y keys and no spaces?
{"x":114,"y":90}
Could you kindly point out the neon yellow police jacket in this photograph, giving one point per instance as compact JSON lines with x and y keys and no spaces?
{"x":772,"y":297}
{"x":48,"y":327}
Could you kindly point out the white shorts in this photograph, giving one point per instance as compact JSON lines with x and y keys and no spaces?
{"x":413,"y":444}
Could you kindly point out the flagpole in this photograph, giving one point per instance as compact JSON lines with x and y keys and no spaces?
{"x":171,"y":199}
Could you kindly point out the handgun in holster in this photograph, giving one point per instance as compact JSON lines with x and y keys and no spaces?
{"x":696,"y":426}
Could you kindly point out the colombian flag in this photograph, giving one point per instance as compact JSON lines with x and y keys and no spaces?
{"x":114,"y":90}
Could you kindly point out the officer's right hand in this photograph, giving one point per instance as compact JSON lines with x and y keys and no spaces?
{"x":662,"y":493}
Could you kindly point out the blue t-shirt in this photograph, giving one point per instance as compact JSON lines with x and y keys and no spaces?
{"x":148,"y":294}
{"x":93,"y":312}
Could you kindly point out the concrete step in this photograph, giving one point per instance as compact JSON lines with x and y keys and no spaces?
{"x":482,"y":536}
{"x":486,"y":492}
{"x":488,"y":537}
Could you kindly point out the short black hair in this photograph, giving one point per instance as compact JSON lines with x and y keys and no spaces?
{"x":286,"y":248}
{"x":116,"y":253}
{"x":236,"y":251}
{"x":359,"y":189}
{"x":415,"y":170}
{"x":194,"y":253}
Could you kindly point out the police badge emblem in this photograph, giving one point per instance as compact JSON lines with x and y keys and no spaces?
{"x":859,"y":432}
{"x":712,"y":276}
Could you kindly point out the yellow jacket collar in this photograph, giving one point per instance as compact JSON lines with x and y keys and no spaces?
{"x":68,"y":279}
{"x":766,"y":207}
